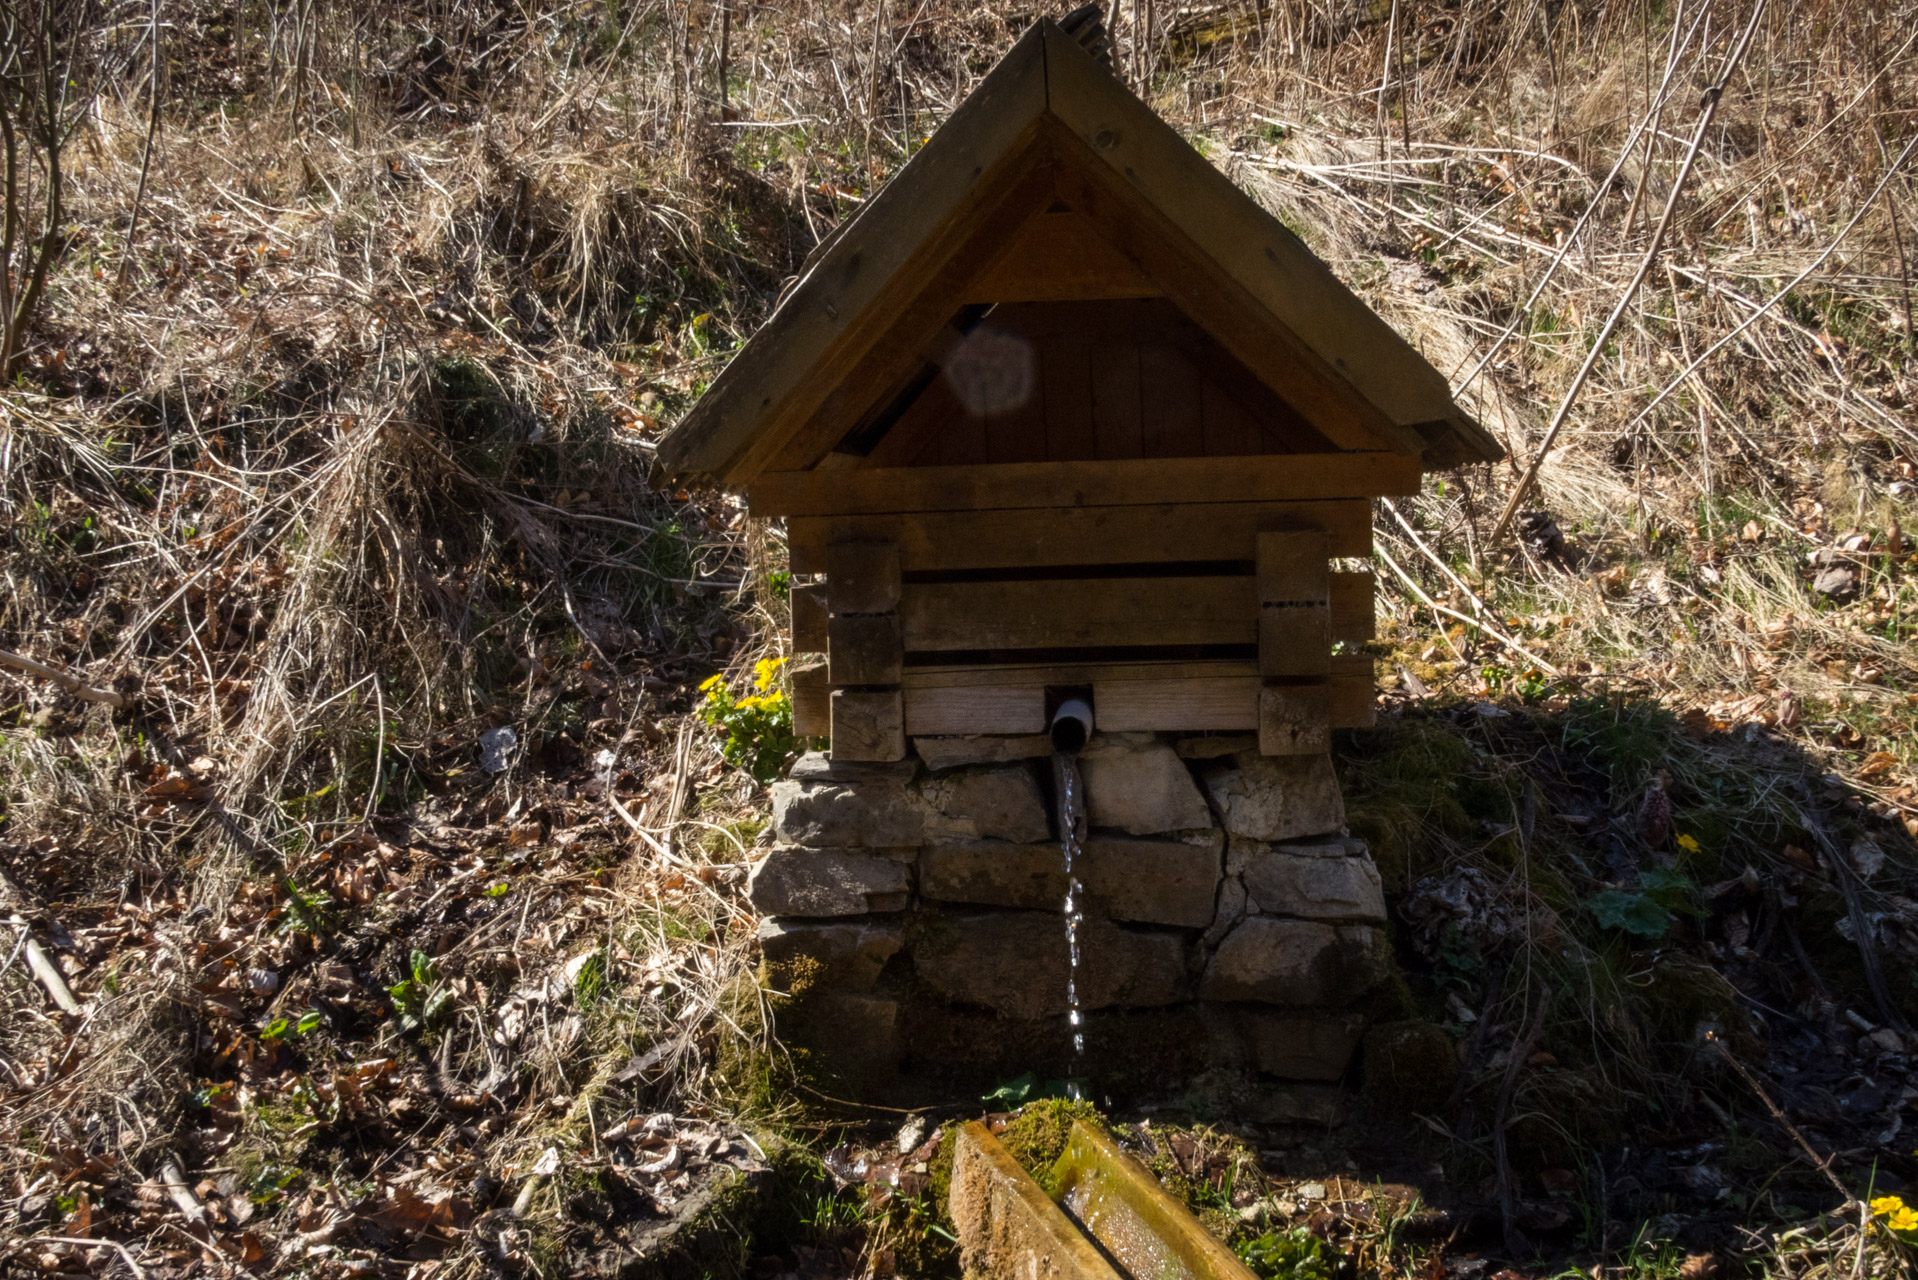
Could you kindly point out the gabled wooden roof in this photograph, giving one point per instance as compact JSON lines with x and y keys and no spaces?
{"x":1050,"y":130}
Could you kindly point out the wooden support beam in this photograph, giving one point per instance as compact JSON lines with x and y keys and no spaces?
{"x":862,"y":577}
{"x":812,"y":698}
{"x":864,"y":648}
{"x":868,"y":724}
{"x":1294,"y":720}
{"x":809,"y":617}
{"x":931,"y":541}
{"x":1294,"y":477}
{"x":1295,"y":618}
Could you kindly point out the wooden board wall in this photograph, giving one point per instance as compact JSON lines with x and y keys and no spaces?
{"x":1103,"y":379}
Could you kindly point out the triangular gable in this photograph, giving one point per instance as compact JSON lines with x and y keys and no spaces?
{"x":1049,"y":129}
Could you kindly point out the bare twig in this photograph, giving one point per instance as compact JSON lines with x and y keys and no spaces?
{"x":73,"y":685}
{"x":1705,"y":117}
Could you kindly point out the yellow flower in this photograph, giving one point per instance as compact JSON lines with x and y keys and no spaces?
{"x":765,"y":669}
{"x":1688,"y":844}
{"x":709,"y":682}
{"x":747,"y":704}
{"x":1898,"y":1215}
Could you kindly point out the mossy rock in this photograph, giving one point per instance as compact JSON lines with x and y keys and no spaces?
{"x":1410,"y":1065}
{"x":1037,"y":1136}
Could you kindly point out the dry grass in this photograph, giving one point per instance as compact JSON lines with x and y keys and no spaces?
{"x":351,"y":466}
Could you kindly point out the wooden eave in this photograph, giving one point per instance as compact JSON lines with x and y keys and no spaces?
{"x":876,"y":295}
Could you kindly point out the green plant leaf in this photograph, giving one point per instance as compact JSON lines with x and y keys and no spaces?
{"x":1632,"y":912}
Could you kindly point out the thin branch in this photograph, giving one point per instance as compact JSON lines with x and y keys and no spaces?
{"x":1705,"y":117}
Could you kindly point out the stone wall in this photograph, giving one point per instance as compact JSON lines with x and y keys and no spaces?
{"x":912,"y":915}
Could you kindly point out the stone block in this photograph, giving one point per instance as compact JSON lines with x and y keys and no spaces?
{"x":817,"y":766}
{"x":1276,"y":797}
{"x":954,"y":752}
{"x":840,"y":815}
{"x":1302,"y":1046}
{"x":1284,"y":883}
{"x":1212,"y":746}
{"x":1144,"y":881}
{"x":994,"y":873}
{"x":1227,"y":911}
{"x":793,"y":881}
{"x":846,"y":954}
{"x":1016,"y":963}
{"x":1139,"y":785}
{"x":1296,"y":962}
{"x":1241,"y":851}
{"x":1154,"y":881}
{"x":1002,"y":803}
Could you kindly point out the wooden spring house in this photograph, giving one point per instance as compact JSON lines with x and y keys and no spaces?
{"x":1061,"y":410}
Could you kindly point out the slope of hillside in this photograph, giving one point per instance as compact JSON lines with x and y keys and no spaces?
{"x":323,"y":463}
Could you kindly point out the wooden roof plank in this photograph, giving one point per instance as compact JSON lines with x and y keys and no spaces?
{"x":892,"y":235}
{"x":1297,"y":477}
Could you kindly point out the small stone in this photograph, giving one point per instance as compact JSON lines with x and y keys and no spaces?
{"x":1312,"y":1191}
{"x":954,"y":752}
{"x":1296,"y":962}
{"x":1016,"y":964}
{"x":1302,"y":1046}
{"x":1839,"y":582}
{"x":1140,"y":787}
{"x":986,"y":804}
{"x":792,"y":881}
{"x":829,"y":815}
{"x":1276,"y":797}
{"x":847,"y":954}
{"x":1315,"y":887}
{"x":1410,"y":1065}
{"x":1213,"y":746}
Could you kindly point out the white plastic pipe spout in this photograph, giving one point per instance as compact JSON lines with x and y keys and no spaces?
{"x":1071,"y":725}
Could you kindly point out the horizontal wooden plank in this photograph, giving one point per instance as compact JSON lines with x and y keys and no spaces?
{"x":1080,"y":673}
{"x":1022,"y":538}
{"x":1078,"y":613}
{"x":1100,"y":612}
{"x":976,"y":709}
{"x":1297,"y":477}
{"x":1229,"y":702}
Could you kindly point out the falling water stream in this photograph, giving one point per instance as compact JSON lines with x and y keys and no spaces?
{"x":1072,"y":815}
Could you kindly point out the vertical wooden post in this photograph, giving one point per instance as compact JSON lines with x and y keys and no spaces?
{"x":1295,"y":643}
{"x":1295,"y":616}
{"x":865,"y":651}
